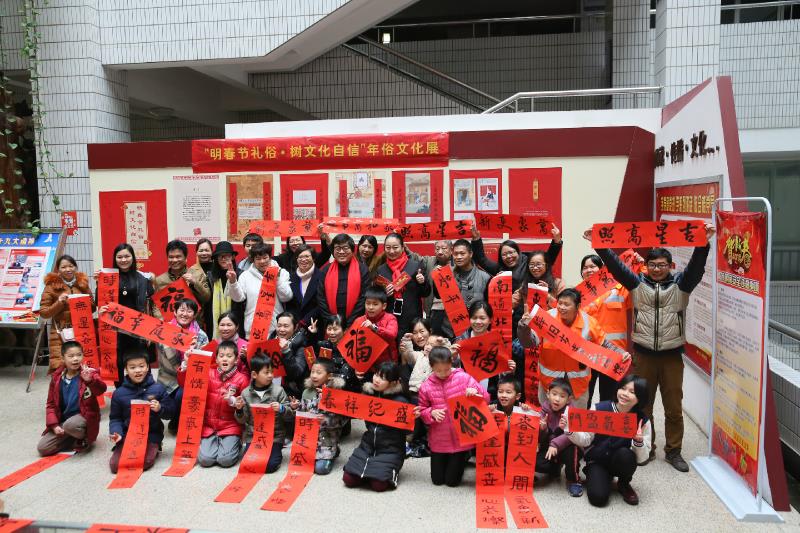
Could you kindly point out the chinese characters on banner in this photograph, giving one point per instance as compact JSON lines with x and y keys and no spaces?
{"x":537,"y":295}
{"x":595,"y":286}
{"x":305,"y":153}
{"x":308,"y":353}
{"x":520,"y":466}
{"x":165,"y":298}
{"x":136,"y":231}
{"x":485,"y":355}
{"x":433,"y":231}
{"x":301,"y":464}
{"x":147,"y":327}
{"x":125,"y":528}
{"x":138,"y":217}
{"x":69,"y":222}
{"x":361,"y":347}
{"x":265,"y":305}
{"x":632,"y":260}
{"x":500,"y":300}
{"x":270,"y":349}
{"x":193,"y":409}
{"x":602,"y":422}
{"x":454,"y":306}
{"x":364,"y":407}
{"x":131,"y":462}
{"x":471,"y":419}
{"x":490,"y":507}
{"x":280,"y":228}
{"x":649,"y":234}
{"x":370,"y":226}
{"x":516,"y":225}
{"x":254,"y":462}
{"x":572,"y":344}
{"x":80,"y":311}
{"x":27,"y":472}
{"x":531,"y":384}
{"x":107,"y":292}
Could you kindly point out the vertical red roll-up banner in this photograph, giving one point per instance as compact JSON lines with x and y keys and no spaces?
{"x":131,"y":461}
{"x":531,"y":386}
{"x":490,"y":507}
{"x":378,"y":198}
{"x":520,"y":468}
{"x":27,"y":472}
{"x":453,"y":302}
{"x":500,"y":300}
{"x":80,"y":312}
{"x":254,"y":462}
{"x":107,"y":292}
{"x":344,"y":206}
{"x":262,"y":319}
{"x":301,"y":463}
{"x":193,"y":410}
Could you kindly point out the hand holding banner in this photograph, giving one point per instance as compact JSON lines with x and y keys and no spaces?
{"x":500,"y":298}
{"x":265,"y":305}
{"x":80,"y":312}
{"x":270,"y":349}
{"x":485,"y":355}
{"x":131,"y":460}
{"x":148,"y":327}
{"x":280,"y":228}
{"x":429,"y":231}
{"x":602,"y":422}
{"x":361,"y":347}
{"x":471,"y":419}
{"x":537,"y":295}
{"x":107,"y":292}
{"x":453,"y":302}
{"x":649,"y":234}
{"x":399,"y":415}
{"x":516,"y":225}
{"x":165,"y":298}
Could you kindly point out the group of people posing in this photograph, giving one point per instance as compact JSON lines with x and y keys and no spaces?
{"x":317,"y":299}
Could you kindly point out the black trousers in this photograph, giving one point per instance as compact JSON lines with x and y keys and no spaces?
{"x":608,"y":387}
{"x":599,"y":474}
{"x":448,"y":468}
{"x":569,"y":457}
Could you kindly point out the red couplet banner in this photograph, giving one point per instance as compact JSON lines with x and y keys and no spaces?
{"x":500,"y":299}
{"x":174,"y":292}
{"x":361,"y":347}
{"x":429,"y":231}
{"x":649,"y":234}
{"x":531,"y":385}
{"x":31,"y":470}
{"x":125,"y":528}
{"x":490,"y":507}
{"x":107,"y":292}
{"x":146,"y":326}
{"x":516,"y":225}
{"x":80,"y":311}
{"x":364,"y":407}
{"x":131,"y":462}
{"x":485,"y":355}
{"x":262,"y":320}
{"x":595,"y":286}
{"x":281,"y":228}
{"x":603,"y":422}
{"x":520,"y":468}
{"x":471,"y":419}
{"x":454,"y":306}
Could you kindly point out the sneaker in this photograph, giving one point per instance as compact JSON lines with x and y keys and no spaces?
{"x":649,"y":458}
{"x":80,"y":445}
{"x":409,"y":450}
{"x":674,"y":458}
{"x":575,"y":490}
{"x":628,"y":494}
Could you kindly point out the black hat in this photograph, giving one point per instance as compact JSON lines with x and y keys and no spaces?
{"x":223,"y":247}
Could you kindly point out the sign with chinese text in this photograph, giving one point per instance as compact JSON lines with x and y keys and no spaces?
{"x":131,"y":461}
{"x":649,"y":234}
{"x":25,"y":260}
{"x":369,"y":408}
{"x":147,"y":327}
{"x":361,"y":347}
{"x":602,"y":422}
{"x":484,"y":356}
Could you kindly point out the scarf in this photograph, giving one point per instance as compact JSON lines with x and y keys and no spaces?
{"x":304,"y":279}
{"x":69,"y":284}
{"x":220,"y":303}
{"x":353,"y":286}
{"x":397,"y":266}
{"x":194,"y":329}
{"x":223,"y":376}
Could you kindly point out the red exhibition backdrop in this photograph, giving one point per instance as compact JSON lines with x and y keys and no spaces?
{"x":304,"y":196}
{"x":420,"y":189}
{"x":147,"y":236}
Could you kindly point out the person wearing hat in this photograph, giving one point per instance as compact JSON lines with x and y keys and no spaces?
{"x":223,"y":281}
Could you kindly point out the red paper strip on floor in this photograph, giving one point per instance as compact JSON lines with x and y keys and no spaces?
{"x":131,"y":461}
{"x":31,"y":470}
{"x":125,"y":528}
{"x":520,"y":469}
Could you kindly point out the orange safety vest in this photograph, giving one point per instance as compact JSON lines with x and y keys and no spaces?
{"x":553,"y":363}
{"x":611,"y":312}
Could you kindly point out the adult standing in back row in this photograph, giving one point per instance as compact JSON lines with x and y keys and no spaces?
{"x":343,"y":283}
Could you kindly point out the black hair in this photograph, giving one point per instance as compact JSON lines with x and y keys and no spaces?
{"x":203,"y":241}
{"x":71,"y":344}
{"x":327,"y":364}
{"x":229,"y":345}
{"x":233,"y":317}
{"x":440,"y":354}
{"x":372,"y":240}
{"x":252,"y":237}
{"x":177,"y":244}
{"x":124,"y":246}
{"x":136,"y":353}
{"x":66,"y":257}
{"x":374,"y":292}
{"x":477,"y":305}
{"x":594,"y":258}
{"x":572,"y":294}
{"x":287,"y":314}
{"x":344,"y":238}
{"x":336,"y":320}
{"x":561,"y":383}
{"x":394,"y":235}
{"x":426,"y":323}
{"x":510,"y":244}
{"x":290,"y":236}
{"x":548,"y":270}
{"x":463,"y":242}
{"x":508,"y":378}
{"x":659,"y":253}
{"x":191,"y":304}
{"x":640,"y":388}
{"x":303,"y":248}
{"x":389,"y":370}
{"x":259,"y":361}
{"x":259,"y":249}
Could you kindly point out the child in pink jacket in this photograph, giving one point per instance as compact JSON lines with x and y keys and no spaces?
{"x":448,"y":456}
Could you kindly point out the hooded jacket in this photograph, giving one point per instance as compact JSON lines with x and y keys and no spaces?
{"x":553,"y":435}
{"x":274,"y":393}
{"x":120,"y":413}
{"x":330,"y":429}
{"x":87,"y":402}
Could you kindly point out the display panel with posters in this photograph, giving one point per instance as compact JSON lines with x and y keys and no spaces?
{"x":196,"y":206}
{"x":418,"y":196}
{"x":25,"y":259}
{"x":475,"y":191}
{"x":140,"y":219}
{"x":304,"y":196}
{"x":249,"y":199}
{"x":693,"y":199}
{"x":361,"y":194}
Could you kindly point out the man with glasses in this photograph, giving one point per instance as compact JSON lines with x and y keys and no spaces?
{"x":659,"y":301}
{"x":343,"y":283}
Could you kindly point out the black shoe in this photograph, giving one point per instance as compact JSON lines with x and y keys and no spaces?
{"x":649,"y":458}
{"x":173,"y":426}
{"x":628,"y":494}
{"x":674,"y":458}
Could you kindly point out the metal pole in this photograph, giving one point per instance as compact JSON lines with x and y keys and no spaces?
{"x":713,"y":338}
{"x":35,"y":361}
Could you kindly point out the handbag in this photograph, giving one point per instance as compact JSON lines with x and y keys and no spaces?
{"x":66,"y":334}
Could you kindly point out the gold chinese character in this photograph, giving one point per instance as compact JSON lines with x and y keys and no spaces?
{"x":353,"y":150}
{"x":295,"y":151}
{"x":416,"y":148}
{"x":324,"y":151}
{"x":310,"y":151}
{"x":338,"y":150}
{"x":432,"y":147}
{"x":255,"y":152}
{"x":372,"y":149}
{"x":243,"y":153}
{"x":215,"y":153}
{"x":270,"y":152}
{"x":387,"y":148}
{"x":401,"y":148}
{"x":229,"y":154}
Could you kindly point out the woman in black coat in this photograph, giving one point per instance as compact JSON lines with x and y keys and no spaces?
{"x":304,"y":280}
{"x":405,"y":303}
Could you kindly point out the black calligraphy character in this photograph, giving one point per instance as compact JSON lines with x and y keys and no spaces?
{"x":401,"y":415}
{"x":299,"y":459}
{"x":606,"y":233}
{"x":327,"y":399}
{"x":158,"y":332}
{"x":486,"y":361}
{"x":520,"y":483}
{"x":490,"y":460}
{"x":489,"y":480}
{"x":687,"y":231}
{"x":661,"y":232}
{"x":350,"y":404}
{"x":522,"y":224}
{"x":376,"y":408}
{"x":633,"y":235}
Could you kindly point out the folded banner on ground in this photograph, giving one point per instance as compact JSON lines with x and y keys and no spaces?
{"x":80,"y":312}
{"x":125,"y":528}
{"x":661,"y":233}
{"x":174,"y":292}
{"x":146,"y":326}
{"x":454,"y":306}
{"x":107,"y":292}
{"x":520,"y":469}
{"x":361,"y":347}
{"x":131,"y":461}
{"x":31,"y":470}
{"x":364,"y":407}
{"x":602,"y":422}
{"x":471,"y":419}
{"x":500,"y":299}
{"x":285,"y":228}
{"x":9,"y":525}
{"x":485,"y":355}
{"x":434,"y":231}
{"x":516,"y":225}
{"x":265,"y":305}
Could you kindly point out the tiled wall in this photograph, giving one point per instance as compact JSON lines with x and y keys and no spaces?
{"x":11,"y":36}
{"x":632,"y":62}
{"x":150,"y":129}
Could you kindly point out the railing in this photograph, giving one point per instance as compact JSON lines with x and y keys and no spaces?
{"x":428,"y":76}
{"x":531,"y":97}
{"x":784,"y":344}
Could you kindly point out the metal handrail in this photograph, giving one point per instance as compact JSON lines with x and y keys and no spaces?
{"x":777,"y":3}
{"x":528,"y":18}
{"x":427,"y":68}
{"x":578,"y":92}
{"x":786,"y":330}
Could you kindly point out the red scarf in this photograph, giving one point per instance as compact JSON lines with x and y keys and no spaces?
{"x":353,"y":286}
{"x":397,"y":266}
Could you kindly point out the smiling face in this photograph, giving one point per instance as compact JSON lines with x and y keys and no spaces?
{"x":227,"y":329}
{"x":262,"y":262}
{"x":124,"y":260}
{"x":319,"y":376}
{"x":177,"y":260}
{"x":509,"y":256}
{"x":284,"y":328}
{"x":537,"y":265}
{"x":342,"y":254}
{"x":658,"y":269}
{"x":305,"y":261}
{"x":66,"y":269}
{"x":334,"y":332}
{"x":626,"y":397}
{"x":567,"y":310}
{"x":479,"y":321}
{"x":507,"y":395}
{"x":393,"y":248}
{"x":294,"y":243}
{"x":204,"y":253}
{"x":137,"y":369}
{"x":184,"y":316}
{"x":366,"y":250}
{"x":588,"y":268}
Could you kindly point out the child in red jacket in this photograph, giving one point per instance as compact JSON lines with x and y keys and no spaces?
{"x":73,"y":415}
{"x":221,"y":441}
{"x":378,"y":320}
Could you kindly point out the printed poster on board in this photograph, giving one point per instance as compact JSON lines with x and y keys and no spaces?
{"x":196,"y":206}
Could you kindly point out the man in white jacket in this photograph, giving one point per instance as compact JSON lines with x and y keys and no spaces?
{"x":249,"y":285}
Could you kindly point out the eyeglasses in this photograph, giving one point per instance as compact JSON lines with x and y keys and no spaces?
{"x":511,"y":253}
{"x":341,"y":248}
{"x":657,"y":266}
{"x":538,"y":265}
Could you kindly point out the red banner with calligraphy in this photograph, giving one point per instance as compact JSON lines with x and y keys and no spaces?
{"x":490,"y":507}
{"x":434,"y":231}
{"x":125,"y":528}
{"x":500,"y":300}
{"x":265,"y":305}
{"x":454,"y":306}
{"x":361,"y":347}
{"x":131,"y":461}
{"x":254,"y":462}
{"x":649,"y":234}
{"x":362,"y":226}
{"x":308,"y":353}
{"x":284,"y":228}
{"x":531,"y":385}
{"x":390,"y":150}
{"x":107,"y":292}
{"x":27,"y":472}
{"x":147,"y":327}
{"x":165,"y":298}
{"x":484,"y":356}
{"x":301,"y":464}
{"x":595,"y":286}
{"x":520,"y":468}
{"x":270,"y":349}
{"x":602,"y":422}
{"x":398,"y":415}
{"x":632,"y":260}
{"x":80,"y":312}
{"x":193,"y":410}
{"x":515,"y":225}
{"x":471,"y":419}
{"x":537,"y":295}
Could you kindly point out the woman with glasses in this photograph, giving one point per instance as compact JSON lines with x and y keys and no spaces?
{"x":539,"y":272}
{"x":305,"y":280}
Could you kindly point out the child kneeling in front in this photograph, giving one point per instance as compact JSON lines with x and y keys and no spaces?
{"x":138,"y":385}
{"x":382,"y":451}
{"x":72,"y":412}
{"x":555,"y":448}
{"x":448,"y":455}
{"x":221,"y":441}
{"x":330,"y":429}
{"x":264,"y":391}
{"x":608,"y":457}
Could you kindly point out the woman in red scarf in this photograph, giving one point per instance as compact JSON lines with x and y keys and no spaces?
{"x":407,"y":284}
{"x":344,"y":283}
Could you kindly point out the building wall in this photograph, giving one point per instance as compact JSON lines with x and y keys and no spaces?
{"x":150,"y":129}
{"x":12,"y":38}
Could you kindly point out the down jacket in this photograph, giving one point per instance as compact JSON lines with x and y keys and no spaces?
{"x":382,"y":450}
{"x":433,"y":394}
{"x":57,"y":311}
{"x":120,"y":413}
{"x":330,"y":429}
{"x":553,"y":435}
{"x":219,"y":417}
{"x":87,"y":402}
{"x":275,"y":393}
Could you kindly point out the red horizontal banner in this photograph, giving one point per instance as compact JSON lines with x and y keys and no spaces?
{"x":430,"y":231}
{"x":649,"y":234}
{"x":124,"y":528}
{"x":602,"y":422}
{"x":335,"y":151}
{"x":516,"y":225}
{"x":595,"y":286}
{"x":364,"y":407}
{"x":369,"y":226}
{"x":147,"y":327}
{"x":9,"y":525}
{"x":280,"y":228}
